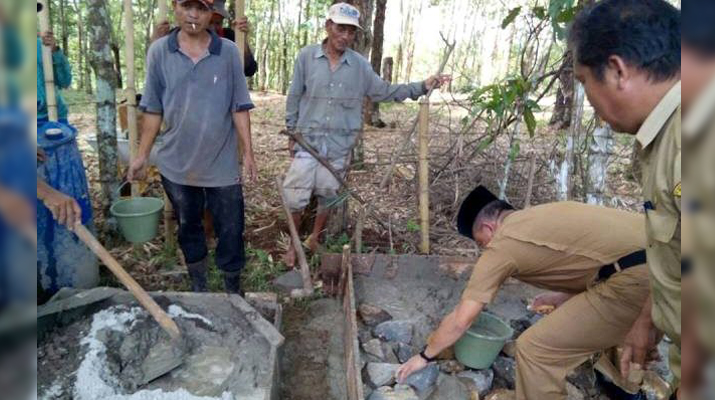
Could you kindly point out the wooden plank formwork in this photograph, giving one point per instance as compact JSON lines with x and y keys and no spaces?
{"x":350,"y":338}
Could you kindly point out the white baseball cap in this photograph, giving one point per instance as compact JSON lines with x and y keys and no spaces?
{"x":344,"y":14}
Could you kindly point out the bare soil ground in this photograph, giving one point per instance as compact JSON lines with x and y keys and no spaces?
{"x":457,"y":164}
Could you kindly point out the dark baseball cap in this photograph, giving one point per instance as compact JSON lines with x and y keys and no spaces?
{"x":208,"y":3}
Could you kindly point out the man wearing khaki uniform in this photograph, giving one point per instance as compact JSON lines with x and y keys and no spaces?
{"x":698,"y":101}
{"x":627,"y":55}
{"x":591,"y":256}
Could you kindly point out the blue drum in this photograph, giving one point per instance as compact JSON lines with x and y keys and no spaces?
{"x":62,"y":259}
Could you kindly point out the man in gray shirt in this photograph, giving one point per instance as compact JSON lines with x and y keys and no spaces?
{"x":324,"y":104}
{"x":195,"y":85}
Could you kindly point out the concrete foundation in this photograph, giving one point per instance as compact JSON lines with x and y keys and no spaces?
{"x":98,"y":343}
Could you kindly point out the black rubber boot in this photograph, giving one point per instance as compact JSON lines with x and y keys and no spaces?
{"x":197,"y":273}
{"x":232,"y":282}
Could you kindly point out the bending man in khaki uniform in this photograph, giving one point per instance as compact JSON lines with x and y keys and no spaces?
{"x":627,"y":55}
{"x":592,"y":256}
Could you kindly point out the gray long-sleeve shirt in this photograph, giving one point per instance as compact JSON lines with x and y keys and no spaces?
{"x":326,"y":106}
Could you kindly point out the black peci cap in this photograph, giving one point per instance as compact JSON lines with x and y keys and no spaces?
{"x":470,"y":208}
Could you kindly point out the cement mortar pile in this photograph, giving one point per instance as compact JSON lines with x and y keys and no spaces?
{"x":104,"y":356}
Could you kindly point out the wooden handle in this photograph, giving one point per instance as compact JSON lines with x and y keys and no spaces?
{"x":295,"y":239}
{"x":141,"y":295}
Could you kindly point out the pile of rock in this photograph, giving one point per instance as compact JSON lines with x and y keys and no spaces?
{"x":386,"y":343}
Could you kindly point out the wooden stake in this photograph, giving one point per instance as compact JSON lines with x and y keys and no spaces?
{"x":295,"y":239}
{"x":130,"y":92}
{"x":424,"y":173}
{"x":47,"y":69}
{"x":358,"y":230}
{"x":240,"y":36}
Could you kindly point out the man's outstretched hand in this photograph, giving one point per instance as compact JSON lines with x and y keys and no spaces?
{"x":436,"y":81}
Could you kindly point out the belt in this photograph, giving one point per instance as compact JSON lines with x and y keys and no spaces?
{"x":631,"y":260}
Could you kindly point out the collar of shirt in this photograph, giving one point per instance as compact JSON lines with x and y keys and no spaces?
{"x":700,"y":112}
{"x":345,"y":58}
{"x":214,"y":46}
{"x":659,"y":116}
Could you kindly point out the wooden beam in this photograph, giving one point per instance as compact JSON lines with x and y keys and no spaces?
{"x":423,"y":139}
{"x":130,"y":91}
{"x":47,"y":69}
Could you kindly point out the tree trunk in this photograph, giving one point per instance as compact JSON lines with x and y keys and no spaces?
{"x":80,"y":34}
{"x":63,"y":26}
{"x":263,"y":71}
{"x":87,"y":68}
{"x":561,"y":117}
{"x":411,"y":43}
{"x":100,"y":55}
{"x":568,"y":165}
{"x":372,"y":115}
{"x":117,"y":63}
{"x":599,"y":150}
{"x":304,"y":39}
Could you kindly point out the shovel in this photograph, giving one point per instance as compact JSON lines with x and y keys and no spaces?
{"x":164,"y":358}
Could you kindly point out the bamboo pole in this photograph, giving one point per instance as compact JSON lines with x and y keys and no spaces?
{"x":405,"y":142}
{"x":424,"y":173}
{"x":47,"y":70}
{"x":295,"y":239}
{"x":240,"y":36}
{"x":130,"y":91}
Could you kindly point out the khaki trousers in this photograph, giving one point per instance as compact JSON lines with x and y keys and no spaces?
{"x":590,"y":322}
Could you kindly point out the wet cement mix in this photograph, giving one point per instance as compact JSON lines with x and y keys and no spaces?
{"x":107,"y":356}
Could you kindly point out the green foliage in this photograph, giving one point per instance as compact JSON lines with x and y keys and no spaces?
{"x":559,"y":12}
{"x":510,"y":17}
{"x":260,"y":270}
{"x":334,"y":244}
{"x":412,"y":226}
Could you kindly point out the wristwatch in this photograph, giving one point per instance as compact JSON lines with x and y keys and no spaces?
{"x":424,"y":355}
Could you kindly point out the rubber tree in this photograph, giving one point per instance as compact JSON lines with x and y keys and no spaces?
{"x":101,"y":59}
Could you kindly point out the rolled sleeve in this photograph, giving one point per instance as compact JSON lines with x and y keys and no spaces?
{"x":297,"y":88}
{"x":154,"y":85}
{"x":241,"y":98}
{"x":492,"y":269}
{"x":380,"y":90}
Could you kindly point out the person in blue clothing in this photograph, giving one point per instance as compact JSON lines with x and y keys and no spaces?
{"x":63,"y":78}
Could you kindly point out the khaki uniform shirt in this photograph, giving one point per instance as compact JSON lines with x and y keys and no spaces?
{"x":699,"y":142}
{"x":659,"y":140}
{"x":557,"y":246}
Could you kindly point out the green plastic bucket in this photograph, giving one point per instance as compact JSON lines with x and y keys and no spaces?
{"x":480,"y":346}
{"x":138,"y":217}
